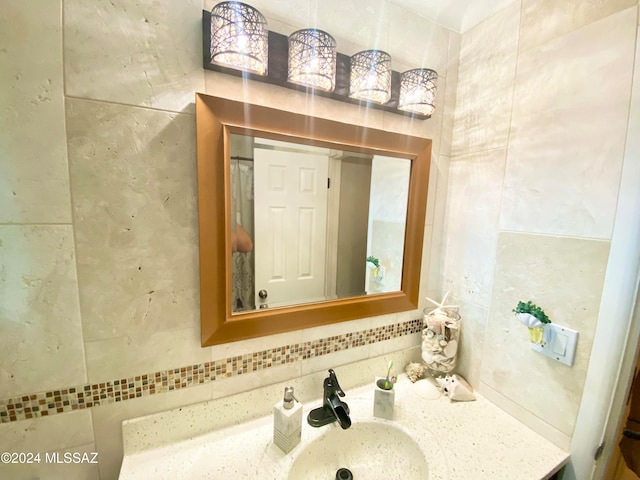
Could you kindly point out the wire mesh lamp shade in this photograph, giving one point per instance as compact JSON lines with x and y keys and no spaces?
{"x":239,"y":37}
{"x":312,"y":59}
{"x":418,"y":91}
{"x":371,"y":76}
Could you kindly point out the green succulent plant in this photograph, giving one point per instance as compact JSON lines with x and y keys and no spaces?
{"x":374,"y":260}
{"x":532,"y":309}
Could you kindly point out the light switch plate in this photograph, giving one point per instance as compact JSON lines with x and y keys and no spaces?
{"x":558,"y":343}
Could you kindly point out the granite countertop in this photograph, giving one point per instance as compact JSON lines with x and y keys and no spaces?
{"x":461,"y":440}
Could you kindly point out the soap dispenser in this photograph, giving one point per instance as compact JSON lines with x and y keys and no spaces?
{"x":287,"y":421}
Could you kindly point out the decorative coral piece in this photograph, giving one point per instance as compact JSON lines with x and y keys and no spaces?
{"x":416,"y":371}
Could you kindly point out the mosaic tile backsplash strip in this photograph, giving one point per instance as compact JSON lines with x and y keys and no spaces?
{"x":91,"y":395}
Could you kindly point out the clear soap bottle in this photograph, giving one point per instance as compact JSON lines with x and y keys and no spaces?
{"x":287,"y":421}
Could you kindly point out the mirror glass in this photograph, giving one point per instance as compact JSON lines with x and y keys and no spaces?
{"x":311,"y":224}
{"x":365,"y":235}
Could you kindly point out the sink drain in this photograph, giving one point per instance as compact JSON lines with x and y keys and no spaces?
{"x":344,"y":474}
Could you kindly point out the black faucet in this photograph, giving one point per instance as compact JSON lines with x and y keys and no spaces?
{"x":332,"y":408}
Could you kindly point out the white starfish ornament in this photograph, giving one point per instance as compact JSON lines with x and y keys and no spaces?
{"x":442,"y":307}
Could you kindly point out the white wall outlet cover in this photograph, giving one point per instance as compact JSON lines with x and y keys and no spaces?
{"x":558,"y":343}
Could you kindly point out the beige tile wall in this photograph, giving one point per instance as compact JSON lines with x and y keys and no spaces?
{"x":571,"y":167}
{"x":32,"y":98}
{"x":566,"y":276}
{"x":544,"y":20}
{"x":527,"y":155}
{"x":487,"y":68}
{"x":98,"y":225}
{"x":60,"y":433}
{"x":538,"y":143}
{"x":41,"y":342}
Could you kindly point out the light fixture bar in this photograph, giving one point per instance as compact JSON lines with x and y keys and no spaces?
{"x":418,"y":91}
{"x":371,"y":76}
{"x":312,"y":59}
{"x":239,"y":37}
{"x":278,"y":70}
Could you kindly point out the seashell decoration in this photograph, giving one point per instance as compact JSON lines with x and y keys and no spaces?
{"x":440,"y":336}
{"x":451,"y":349}
{"x":456,"y":388}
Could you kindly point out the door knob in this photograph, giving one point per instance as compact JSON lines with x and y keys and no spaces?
{"x":263,"y":294}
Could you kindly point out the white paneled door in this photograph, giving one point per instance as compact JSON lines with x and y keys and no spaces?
{"x":290,"y":227}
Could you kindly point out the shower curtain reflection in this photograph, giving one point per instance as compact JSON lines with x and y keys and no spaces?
{"x":243,"y":289}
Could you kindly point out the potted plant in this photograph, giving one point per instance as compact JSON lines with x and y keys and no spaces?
{"x":374,"y":264}
{"x":533,"y":317}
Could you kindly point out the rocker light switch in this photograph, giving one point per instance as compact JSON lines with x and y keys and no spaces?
{"x":559,"y":343}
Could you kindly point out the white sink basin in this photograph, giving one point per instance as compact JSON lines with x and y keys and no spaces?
{"x":370,"y":450}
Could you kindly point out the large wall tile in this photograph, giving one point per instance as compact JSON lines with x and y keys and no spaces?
{"x":565,"y":277}
{"x":150,"y":352}
{"x":107,"y":422}
{"x":438,"y":185}
{"x":430,"y":266}
{"x":447,"y":96}
{"x":244,"y":347}
{"x":545,"y":20}
{"x":486,"y":77}
{"x":371,"y":31}
{"x":335,"y":329}
{"x":431,"y":277}
{"x":32,"y":135}
{"x":426,"y":257}
{"x":344,"y":357}
{"x":469,"y":263}
{"x":41,"y":340}
{"x":147,"y":54}
{"x":56,"y":468}
{"x":434,"y":174}
{"x":399,"y":344}
{"x":71,"y":432}
{"x":568,"y":131}
{"x":133,"y":179}
{"x":472,"y":338}
{"x":224,"y":387}
{"x":473,"y":209}
{"x":418,"y":42}
{"x":47,"y":434}
{"x":473,"y":195}
{"x":295,"y":13}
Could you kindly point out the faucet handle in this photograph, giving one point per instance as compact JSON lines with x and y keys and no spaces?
{"x":332,"y":382}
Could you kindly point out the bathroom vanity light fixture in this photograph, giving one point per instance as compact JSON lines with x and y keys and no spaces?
{"x":312,"y":59}
{"x":235,"y":41}
{"x":418,"y":91}
{"x":239,"y":37}
{"x":371,"y":76}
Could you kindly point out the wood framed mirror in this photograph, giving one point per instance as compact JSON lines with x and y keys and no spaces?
{"x":218,"y":120}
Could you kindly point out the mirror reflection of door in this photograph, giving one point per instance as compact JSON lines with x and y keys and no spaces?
{"x":315,"y":215}
{"x":290,"y":226}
